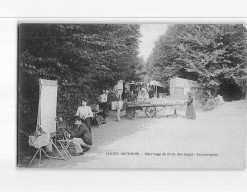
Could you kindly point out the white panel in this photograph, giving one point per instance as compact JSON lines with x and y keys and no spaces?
{"x":48,"y":103}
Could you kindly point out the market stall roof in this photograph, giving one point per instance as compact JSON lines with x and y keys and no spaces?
{"x":156,"y":83}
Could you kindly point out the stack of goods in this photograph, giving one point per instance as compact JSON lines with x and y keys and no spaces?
{"x":143,"y":101}
{"x":155,"y":100}
{"x":166,"y":100}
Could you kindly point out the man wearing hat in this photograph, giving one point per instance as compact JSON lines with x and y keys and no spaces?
{"x":103,"y":104}
{"x":81,"y":137}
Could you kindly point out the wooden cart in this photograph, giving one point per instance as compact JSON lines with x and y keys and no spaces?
{"x":151,"y":110}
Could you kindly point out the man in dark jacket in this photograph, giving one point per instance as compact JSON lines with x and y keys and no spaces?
{"x":103,"y":104}
{"x":81,"y":137}
{"x":151,"y":92}
{"x":130,"y":112}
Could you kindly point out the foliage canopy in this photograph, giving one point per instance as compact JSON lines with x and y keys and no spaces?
{"x":209,"y":53}
{"x":84,"y":58}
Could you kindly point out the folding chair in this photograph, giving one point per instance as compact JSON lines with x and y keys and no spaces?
{"x":64,"y":143}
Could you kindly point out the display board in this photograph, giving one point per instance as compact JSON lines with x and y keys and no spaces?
{"x":47,"y":105}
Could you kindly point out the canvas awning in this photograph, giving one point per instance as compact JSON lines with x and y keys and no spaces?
{"x":156,"y":83}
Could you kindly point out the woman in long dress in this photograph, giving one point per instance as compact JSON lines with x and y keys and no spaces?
{"x":190,"y":111}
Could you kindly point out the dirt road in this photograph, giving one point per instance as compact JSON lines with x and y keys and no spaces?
{"x":214,"y":140}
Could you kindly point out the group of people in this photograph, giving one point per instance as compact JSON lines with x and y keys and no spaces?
{"x":131,"y":97}
{"x":81,"y":131}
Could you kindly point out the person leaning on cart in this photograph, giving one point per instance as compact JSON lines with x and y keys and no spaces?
{"x":85,"y":112}
{"x":81,"y":136}
{"x":190,"y":110}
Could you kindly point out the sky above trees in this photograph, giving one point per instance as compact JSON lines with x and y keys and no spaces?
{"x":150,"y":33}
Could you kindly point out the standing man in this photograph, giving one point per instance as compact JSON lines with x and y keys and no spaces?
{"x":103,"y":104}
{"x":130,"y":112}
{"x":133,"y":97}
{"x":81,"y":137}
{"x":151,"y":92}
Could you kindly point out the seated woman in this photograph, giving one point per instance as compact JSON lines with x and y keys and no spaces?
{"x":143,"y":95}
{"x":85,"y":112}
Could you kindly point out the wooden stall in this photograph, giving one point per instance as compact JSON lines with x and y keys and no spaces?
{"x":179,"y":88}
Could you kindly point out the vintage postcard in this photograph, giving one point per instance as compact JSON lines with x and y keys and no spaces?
{"x":143,"y":96}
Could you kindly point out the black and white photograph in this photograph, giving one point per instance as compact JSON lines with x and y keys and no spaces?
{"x":142,"y":96}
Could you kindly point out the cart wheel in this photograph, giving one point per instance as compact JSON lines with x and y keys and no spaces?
{"x":150,"y":112}
{"x":100,"y":120}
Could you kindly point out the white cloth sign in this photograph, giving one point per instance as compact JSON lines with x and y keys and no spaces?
{"x":47,"y":106}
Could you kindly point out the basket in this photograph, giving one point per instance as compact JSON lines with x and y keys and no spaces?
{"x":40,"y":141}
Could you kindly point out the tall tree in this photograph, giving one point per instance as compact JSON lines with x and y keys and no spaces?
{"x":84,"y":58}
{"x":211,"y":54}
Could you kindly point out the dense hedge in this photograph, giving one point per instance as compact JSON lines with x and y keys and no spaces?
{"x":83,"y":58}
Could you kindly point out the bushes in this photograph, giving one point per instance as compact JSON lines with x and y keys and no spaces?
{"x":210,"y":104}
